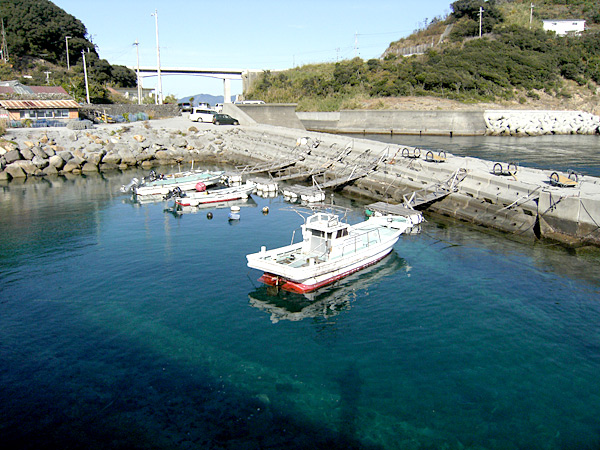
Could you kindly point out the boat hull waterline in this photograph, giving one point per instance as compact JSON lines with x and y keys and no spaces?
{"x":303,"y":288}
{"x":216,"y":196}
{"x":163,"y":184}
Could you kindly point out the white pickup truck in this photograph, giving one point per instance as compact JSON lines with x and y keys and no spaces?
{"x":202,"y":115}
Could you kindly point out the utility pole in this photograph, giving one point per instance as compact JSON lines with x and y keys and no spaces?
{"x":480,"y":16}
{"x":67,"y":41}
{"x":356,"y":44}
{"x":139,"y":85}
{"x":531,"y":15}
{"x":159,"y":93}
{"x":87,"y":88}
{"x":47,"y":77}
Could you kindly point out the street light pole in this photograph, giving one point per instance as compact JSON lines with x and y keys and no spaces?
{"x":531,"y":15}
{"x":480,"y":15}
{"x":67,"y":41}
{"x":159,"y":93}
{"x":87,"y":89}
{"x":139,"y":85}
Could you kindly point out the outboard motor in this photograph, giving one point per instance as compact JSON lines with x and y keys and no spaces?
{"x":177,"y":192}
{"x":152,"y":175}
{"x":131,"y":186}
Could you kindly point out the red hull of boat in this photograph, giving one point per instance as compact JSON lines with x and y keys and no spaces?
{"x":301,"y":288}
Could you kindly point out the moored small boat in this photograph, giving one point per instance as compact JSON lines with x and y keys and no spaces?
{"x":160,"y":185}
{"x":214,"y":196}
{"x":331,"y":249}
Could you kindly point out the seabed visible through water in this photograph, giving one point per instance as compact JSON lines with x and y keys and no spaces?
{"x":125,"y":326}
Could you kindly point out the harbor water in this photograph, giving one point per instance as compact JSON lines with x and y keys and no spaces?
{"x":123,"y":325}
{"x":555,"y":152}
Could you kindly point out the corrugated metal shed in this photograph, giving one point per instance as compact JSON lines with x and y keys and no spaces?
{"x":39,"y":104}
{"x":47,"y":90}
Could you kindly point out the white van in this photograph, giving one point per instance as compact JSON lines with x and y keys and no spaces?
{"x":202,"y":115}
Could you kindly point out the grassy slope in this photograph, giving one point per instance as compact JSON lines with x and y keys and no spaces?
{"x":314,"y":86}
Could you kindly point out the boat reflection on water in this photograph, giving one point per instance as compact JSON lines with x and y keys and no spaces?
{"x":325,"y":302}
{"x":178,"y":210}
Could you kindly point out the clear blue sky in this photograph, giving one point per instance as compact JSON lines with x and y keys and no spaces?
{"x":260,"y":34}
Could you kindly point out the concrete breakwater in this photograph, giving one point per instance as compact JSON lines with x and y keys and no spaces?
{"x":522,"y":202}
{"x":454,"y":123}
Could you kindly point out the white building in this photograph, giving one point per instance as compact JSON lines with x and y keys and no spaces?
{"x":564,"y":27}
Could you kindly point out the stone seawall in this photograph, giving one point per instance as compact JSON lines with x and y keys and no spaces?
{"x":524,"y":203}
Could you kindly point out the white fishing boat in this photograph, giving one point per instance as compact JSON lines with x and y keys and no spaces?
{"x":159,"y":185}
{"x":330,"y":249}
{"x":214,"y":195}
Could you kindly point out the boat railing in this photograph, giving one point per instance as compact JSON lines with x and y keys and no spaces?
{"x":360,"y":240}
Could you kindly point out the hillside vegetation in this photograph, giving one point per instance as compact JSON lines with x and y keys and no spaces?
{"x":514,"y":62}
{"x":36,"y":32}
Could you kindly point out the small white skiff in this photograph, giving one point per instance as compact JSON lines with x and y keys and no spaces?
{"x":160,"y":185}
{"x":330,"y":250}
{"x":215,"y":196}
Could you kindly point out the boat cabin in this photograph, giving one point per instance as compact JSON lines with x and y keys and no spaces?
{"x":320,"y":230}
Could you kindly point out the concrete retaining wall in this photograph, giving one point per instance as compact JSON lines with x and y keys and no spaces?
{"x":280,"y":114}
{"x":412,"y":122}
{"x":471,"y":123}
{"x":396,"y":122}
{"x":320,"y":121}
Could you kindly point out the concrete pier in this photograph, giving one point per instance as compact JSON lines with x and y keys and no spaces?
{"x":524,"y":203}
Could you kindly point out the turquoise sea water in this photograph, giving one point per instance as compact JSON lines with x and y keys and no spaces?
{"x":124,"y":326}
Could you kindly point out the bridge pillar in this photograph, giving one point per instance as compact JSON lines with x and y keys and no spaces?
{"x":226,"y":90}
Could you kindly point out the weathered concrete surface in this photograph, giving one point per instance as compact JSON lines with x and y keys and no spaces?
{"x":280,"y":114}
{"x":241,"y":116}
{"x":397,"y":122}
{"x":412,"y":122}
{"x":524,"y":203}
{"x":474,"y":123}
{"x":320,"y":121}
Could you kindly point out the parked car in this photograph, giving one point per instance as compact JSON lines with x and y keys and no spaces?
{"x":185,"y":106}
{"x":224,"y":119}
{"x":202,"y":115}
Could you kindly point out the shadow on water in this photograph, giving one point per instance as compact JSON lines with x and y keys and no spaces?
{"x":327,"y":302}
{"x":110,"y":394}
{"x":350,"y":383}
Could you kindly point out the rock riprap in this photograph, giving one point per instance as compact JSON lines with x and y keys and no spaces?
{"x":537,"y":123}
{"x":57,"y":151}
